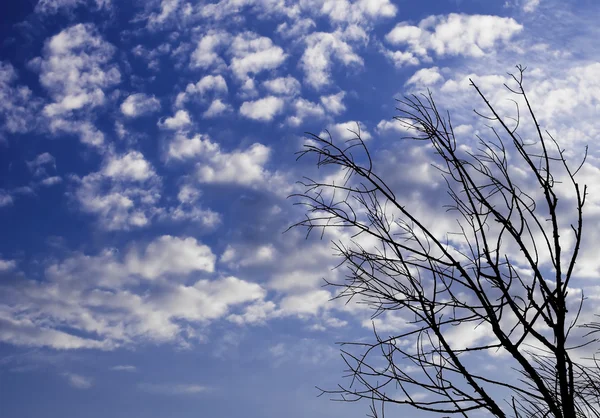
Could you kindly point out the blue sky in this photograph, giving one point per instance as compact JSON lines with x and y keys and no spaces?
{"x":146,"y":153}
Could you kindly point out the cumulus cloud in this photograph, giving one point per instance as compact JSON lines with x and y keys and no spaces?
{"x":264,"y":109}
{"x":305,"y":109}
{"x":307,"y":303}
{"x":170,"y":255}
{"x":139,"y":104}
{"x":387,"y":126}
{"x":151,"y":293}
{"x":86,"y":131}
{"x":123,"y":194}
{"x":180,"y":120}
{"x":248,"y":256}
{"x":182,"y":147}
{"x":454,"y":34}
{"x":425,"y":77}
{"x":76,"y":70}
{"x":296,"y":29}
{"x":352,"y":12}
{"x":216,"y":108}
{"x":347,"y":130}
{"x":252,"y":54}
{"x":334,"y":103}
{"x":321,"y":50}
{"x":129,"y":167}
{"x":209,"y":83}
{"x":244,"y":167}
{"x":287,"y":86}
{"x":206,"y":54}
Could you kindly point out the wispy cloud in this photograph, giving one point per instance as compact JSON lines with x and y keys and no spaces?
{"x":124,"y":368}
{"x":173,"y":389}
{"x":78,"y":381}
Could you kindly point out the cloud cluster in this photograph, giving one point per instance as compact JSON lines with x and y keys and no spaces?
{"x":76,"y":71}
{"x":139,"y":104}
{"x":123,"y":194}
{"x":451,"y":35}
{"x":152,"y":292}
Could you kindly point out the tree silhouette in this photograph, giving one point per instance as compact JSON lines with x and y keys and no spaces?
{"x":503,"y":273}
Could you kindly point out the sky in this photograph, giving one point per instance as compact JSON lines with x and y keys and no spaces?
{"x":147,"y":152}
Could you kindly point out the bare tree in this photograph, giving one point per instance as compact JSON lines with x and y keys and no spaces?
{"x":505,"y":270}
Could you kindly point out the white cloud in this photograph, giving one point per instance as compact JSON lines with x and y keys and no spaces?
{"x":7,"y":265}
{"x":5,"y":198}
{"x":123,"y":194}
{"x":530,"y":6}
{"x":307,"y":303}
{"x":87,"y":132}
{"x":205,"y":55}
{"x":387,"y":126}
{"x":305,"y":109}
{"x":53,"y":6}
{"x":401,"y":58}
{"x":237,"y":167}
{"x":37,"y":166}
{"x":18,"y":107}
{"x":296,"y":29}
{"x":78,"y":381}
{"x":244,"y":167}
{"x":181,"y":119}
{"x":346,"y":130}
{"x":321,"y":49}
{"x":216,"y":108}
{"x":214,"y":84}
{"x":287,"y":86}
{"x":172,"y":389}
{"x":131,"y":166}
{"x":208,"y":84}
{"x":248,"y":256}
{"x":426,"y":77}
{"x":167,"y":9}
{"x":51,"y":181}
{"x":182,"y":147}
{"x":454,"y":34}
{"x":264,"y":109}
{"x":124,"y":368}
{"x":152,"y":293}
{"x":252,"y":54}
{"x":188,"y":194}
{"x":334,"y":103}
{"x":15,"y":329}
{"x":139,"y":104}
{"x":172,"y":256}
{"x":353,"y":12}
{"x":192,"y":213}
{"x":256,"y":313}
{"x":76,"y":70}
